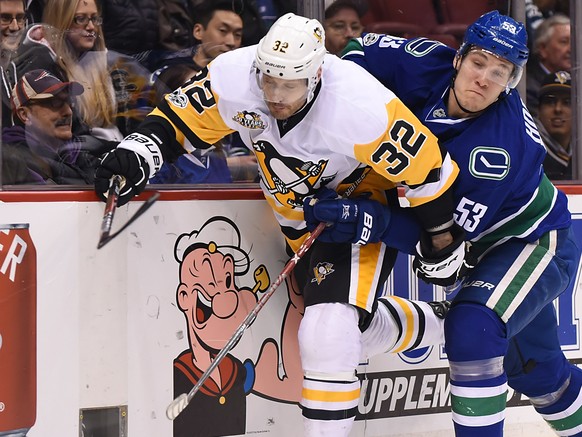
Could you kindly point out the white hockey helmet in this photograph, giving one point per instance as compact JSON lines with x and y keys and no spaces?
{"x":293,"y":48}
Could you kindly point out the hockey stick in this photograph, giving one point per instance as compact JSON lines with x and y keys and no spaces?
{"x":181,"y":402}
{"x":109,"y":212}
{"x":112,"y":195}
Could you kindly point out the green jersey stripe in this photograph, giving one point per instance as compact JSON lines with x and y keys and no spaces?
{"x":523,"y":222}
{"x":569,"y":422}
{"x":478,"y":406}
{"x":521,"y":277}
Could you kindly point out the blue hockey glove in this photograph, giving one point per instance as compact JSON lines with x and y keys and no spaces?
{"x":356,"y":221}
{"x":446,"y":266}
{"x":123,"y":162}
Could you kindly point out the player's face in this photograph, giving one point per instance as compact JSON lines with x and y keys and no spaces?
{"x":481,"y":77}
{"x":284,"y":97}
{"x":555,"y":113}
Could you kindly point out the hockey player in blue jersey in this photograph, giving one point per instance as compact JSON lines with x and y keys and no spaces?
{"x":502,"y":328}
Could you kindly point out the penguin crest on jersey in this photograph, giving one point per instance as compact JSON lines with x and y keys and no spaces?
{"x":288,"y":179}
{"x":321,"y":271}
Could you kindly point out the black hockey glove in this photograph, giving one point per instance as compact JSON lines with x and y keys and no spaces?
{"x":446,"y":266}
{"x":356,"y":221}
{"x":126,"y":163}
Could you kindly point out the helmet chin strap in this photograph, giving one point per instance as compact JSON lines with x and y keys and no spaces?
{"x":457,"y":99}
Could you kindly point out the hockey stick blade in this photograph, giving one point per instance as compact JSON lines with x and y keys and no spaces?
{"x":181,"y":402}
{"x":107,"y":237}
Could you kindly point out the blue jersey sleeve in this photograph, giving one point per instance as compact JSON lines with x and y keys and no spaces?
{"x":412,"y":68}
{"x":403,"y":231}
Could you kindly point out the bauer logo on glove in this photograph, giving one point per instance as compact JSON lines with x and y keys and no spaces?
{"x":366,"y":228}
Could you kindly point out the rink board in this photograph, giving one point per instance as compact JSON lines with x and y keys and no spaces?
{"x":109,"y":322}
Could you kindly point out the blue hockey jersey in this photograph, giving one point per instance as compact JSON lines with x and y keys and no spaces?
{"x":502,"y":191}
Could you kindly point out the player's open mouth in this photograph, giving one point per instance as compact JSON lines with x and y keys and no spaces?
{"x":203,"y":308}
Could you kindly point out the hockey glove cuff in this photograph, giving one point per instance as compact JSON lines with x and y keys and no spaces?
{"x":446,"y":266}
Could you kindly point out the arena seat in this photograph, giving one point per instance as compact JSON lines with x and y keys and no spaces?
{"x":456,"y":15}
{"x":411,"y":18}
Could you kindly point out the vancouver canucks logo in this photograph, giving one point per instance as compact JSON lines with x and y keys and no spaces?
{"x":489,"y":163}
{"x":321,"y":270}
{"x":178,"y":98}
{"x":250,"y":120}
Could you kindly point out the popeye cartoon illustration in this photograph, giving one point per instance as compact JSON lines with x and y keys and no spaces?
{"x":214,"y":305}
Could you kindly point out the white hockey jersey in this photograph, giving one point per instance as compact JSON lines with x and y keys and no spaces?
{"x":353,"y":124}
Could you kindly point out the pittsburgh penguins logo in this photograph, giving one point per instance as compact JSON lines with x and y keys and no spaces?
{"x":321,"y":270}
{"x":250,"y":120}
{"x":288,"y":179}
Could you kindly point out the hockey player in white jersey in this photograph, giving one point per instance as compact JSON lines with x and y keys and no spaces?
{"x":501,"y":329}
{"x":314,"y":121}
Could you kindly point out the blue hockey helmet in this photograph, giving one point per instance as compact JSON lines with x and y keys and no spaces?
{"x":502,"y":36}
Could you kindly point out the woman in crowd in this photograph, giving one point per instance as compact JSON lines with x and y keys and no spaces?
{"x":70,"y":45}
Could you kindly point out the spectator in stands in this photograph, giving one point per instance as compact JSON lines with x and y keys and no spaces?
{"x":40,"y":147}
{"x":70,"y":44}
{"x":218,"y":28}
{"x":551,"y":50}
{"x":538,"y":10}
{"x":256,"y":14}
{"x":12,"y":21}
{"x":342,"y":23}
{"x":555,"y":124}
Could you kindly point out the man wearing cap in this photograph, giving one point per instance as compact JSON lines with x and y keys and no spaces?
{"x":555,"y":123}
{"x":42,"y":135}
